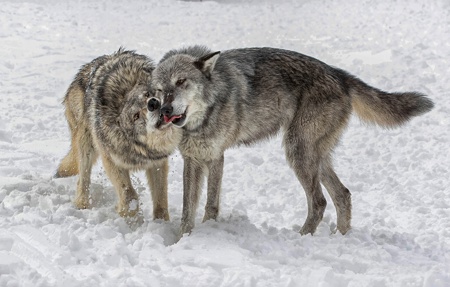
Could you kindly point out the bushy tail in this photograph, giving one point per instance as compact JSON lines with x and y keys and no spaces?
{"x":69,"y":165}
{"x":74,"y":112}
{"x":385,"y":109}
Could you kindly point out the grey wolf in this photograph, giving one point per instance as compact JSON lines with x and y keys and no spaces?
{"x":112,"y":114}
{"x":238,"y":97}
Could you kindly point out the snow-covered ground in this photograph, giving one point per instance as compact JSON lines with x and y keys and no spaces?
{"x":399,"y":178}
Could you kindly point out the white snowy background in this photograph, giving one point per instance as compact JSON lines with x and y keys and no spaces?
{"x":399,"y":178}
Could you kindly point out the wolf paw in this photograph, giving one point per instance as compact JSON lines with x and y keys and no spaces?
{"x":343,"y":229}
{"x":135,"y":221}
{"x":161,"y":213}
{"x":82,"y":202}
{"x":308,"y":229}
{"x":186,"y":228}
{"x":210,"y":213}
{"x":128,"y":209}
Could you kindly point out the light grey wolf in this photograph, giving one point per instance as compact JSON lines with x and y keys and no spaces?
{"x":111,"y":112}
{"x":242,"y":96}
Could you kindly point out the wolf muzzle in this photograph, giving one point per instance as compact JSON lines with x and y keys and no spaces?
{"x":167,"y":110}
{"x":170,"y":117}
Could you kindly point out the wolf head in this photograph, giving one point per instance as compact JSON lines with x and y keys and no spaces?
{"x":139,"y":133}
{"x":140,"y":113}
{"x":179,"y":80}
{"x":125,"y":115}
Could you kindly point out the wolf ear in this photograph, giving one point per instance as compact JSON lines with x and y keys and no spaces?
{"x":206,"y":63}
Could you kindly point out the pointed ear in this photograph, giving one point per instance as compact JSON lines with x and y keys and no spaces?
{"x":206,"y":63}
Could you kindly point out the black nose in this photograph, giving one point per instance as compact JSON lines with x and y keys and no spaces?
{"x":167,"y":110}
{"x":153,"y":104}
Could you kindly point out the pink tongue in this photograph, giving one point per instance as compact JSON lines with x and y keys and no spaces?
{"x":171,"y":119}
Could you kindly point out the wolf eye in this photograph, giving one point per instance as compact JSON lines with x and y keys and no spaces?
{"x":136,"y":116}
{"x":180,"y":82}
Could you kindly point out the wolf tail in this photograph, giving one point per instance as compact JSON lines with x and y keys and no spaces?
{"x":69,"y":165}
{"x":385,"y":109}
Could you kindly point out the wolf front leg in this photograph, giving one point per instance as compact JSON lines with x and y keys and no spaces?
{"x":193,"y":176}
{"x":87,"y":156}
{"x":157,"y":180}
{"x":128,"y":205}
{"x":215,"y":172}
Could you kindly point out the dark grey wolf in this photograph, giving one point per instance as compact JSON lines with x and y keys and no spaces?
{"x":111,"y":112}
{"x":242,"y":96}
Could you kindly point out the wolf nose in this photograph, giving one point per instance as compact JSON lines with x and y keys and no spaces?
{"x":167,"y":110}
{"x":153,"y":104}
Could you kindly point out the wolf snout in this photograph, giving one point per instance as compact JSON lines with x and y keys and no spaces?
{"x":169,"y":117}
{"x":153,"y":104}
{"x":167,"y":110}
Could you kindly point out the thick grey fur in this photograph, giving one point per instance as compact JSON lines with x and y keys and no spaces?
{"x":106,"y":109}
{"x":243,"y":96}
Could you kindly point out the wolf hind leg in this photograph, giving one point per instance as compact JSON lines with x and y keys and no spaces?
{"x":340,"y":195}
{"x":157,"y":181}
{"x":87,"y":157}
{"x":305,"y":161}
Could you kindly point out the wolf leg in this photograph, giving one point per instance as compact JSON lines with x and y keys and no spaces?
{"x":339,"y":194}
{"x":304,"y":160}
{"x":193,"y":176}
{"x":215,"y":172}
{"x":87,"y":157}
{"x":157,"y":180}
{"x":128,"y":205}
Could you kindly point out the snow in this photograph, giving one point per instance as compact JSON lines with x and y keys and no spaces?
{"x":399,"y":178}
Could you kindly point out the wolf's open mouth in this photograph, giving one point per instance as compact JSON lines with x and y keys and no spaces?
{"x":162,"y":123}
{"x":172,"y":118}
{"x":175,"y":119}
